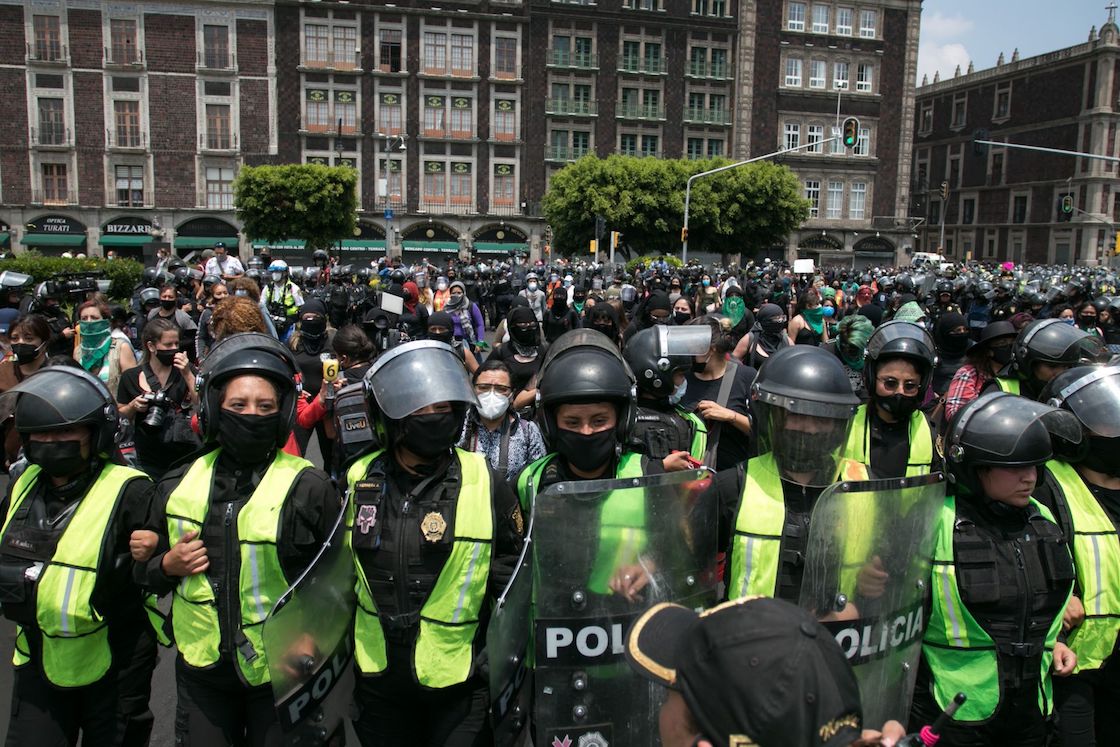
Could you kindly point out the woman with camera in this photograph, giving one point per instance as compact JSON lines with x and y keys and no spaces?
{"x":157,"y":396}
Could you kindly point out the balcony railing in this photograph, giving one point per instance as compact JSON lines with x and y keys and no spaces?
{"x":126,"y":137}
{"x":639,"y":153}
{"x":124,"y":55}
{"x":218,"y":60}
{"x":50,"y":51}
{"x":351,"y":60}
{"x":640,"y":111}
{"x":646,"y":65}
{"x":52,"y":137}
{"x":571,"y":107}
{"x":707,"y":116}
{"x":717,"y":70}
{"x":447,"y":206}
{"x":565,"y":153}
{"x":41,"y":196}
{"x":217,"y":141}
{"x":565,"y":58}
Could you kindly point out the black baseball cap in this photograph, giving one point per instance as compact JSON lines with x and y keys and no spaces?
{"x":755,"y":671}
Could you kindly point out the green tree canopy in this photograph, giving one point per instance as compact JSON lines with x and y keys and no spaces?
{"x":746,"y":209}
{"x":297,"y":201}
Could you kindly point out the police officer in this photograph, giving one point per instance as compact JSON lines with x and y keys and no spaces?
{"x":1082,"y":488}
{"x":1042,"y":350}
{"x":435,"y":534}
{"x":84,"y":650}
{"x":282,"y":298}
{"x":1001,"y":578}
{"x":889,"y":433}
{"x":803,"y":406}
{"x":236,"y":527}
{"x":659,"y":356}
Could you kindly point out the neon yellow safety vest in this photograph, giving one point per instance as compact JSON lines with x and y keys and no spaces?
{"x":444,"y":651}
{"x":699,"y":434}
{"x":1008,"y":385}
{"x":960,"y":653}
{"x":1096,"y":555}
{"x":918,"y":462}
{"x":288,"y":300}
{"x":759,"y":525}
{"x":75,"y":637}
{"x":261,"y":581}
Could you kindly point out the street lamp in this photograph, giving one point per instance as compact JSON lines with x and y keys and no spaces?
{"x":393,"y":144}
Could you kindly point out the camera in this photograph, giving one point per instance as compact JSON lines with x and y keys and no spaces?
{"x":74,"y":284}
{"x":157,"y":409}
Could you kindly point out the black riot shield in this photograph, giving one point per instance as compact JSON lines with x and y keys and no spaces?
{"x":308,"y":638}
{"x":867,"y":571}
{"x":603,"y":552}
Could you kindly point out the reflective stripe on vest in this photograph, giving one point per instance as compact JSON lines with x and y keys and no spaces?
{"x":920,"y":457}
{"x":759,"y":525}
{"x":960,"y":653}
{"x":261,"y":581}
{"x":1008,"y":385}
{"x":75,"y":637}
{"x":444,"y":651}
{"x":699,"y":434}
{"x":1096,"y":555}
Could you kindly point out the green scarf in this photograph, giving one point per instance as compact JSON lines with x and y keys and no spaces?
{"x":814,"y":318}
{"x":734,"y":308}
{"x":96,"y":341}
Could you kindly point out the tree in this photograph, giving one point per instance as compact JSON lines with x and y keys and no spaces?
{"x":740,"y":210}
{"x":297,"y":201}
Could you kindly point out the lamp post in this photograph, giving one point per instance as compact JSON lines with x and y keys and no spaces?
{"x":392,"y":144}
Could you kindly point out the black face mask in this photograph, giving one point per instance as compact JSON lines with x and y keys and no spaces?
{"x":1101,"y":455}
{"x":699,"y":366}
{"x":898,"y":406}
{"x":313,"y":328}
{"x":524,"y":334}
{"x":1087,"y":322}
{"x":248,"y":439}
{"x":431,"y":435}
{"x":586,"y":453}
{"x":166,"y":357}
{"x":57,"y":458}
{"x":955,"y":344}
{"x":446,"y":337}
{"x":25,"y":352}
{"x":681,"y":317}
{"x":167,"y":304}
{"x":607,"y":329}
{"x":772,"y":326}
{"x":1002,"y":356}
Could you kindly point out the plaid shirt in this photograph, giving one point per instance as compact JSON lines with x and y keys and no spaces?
{"x":966,"y":386}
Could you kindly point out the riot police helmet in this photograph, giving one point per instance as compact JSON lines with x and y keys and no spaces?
{"x":584,"y":366}
{"x":149,"y":297}
{"x":320,"y":257}
{"x":1052,"y":342}
{"x":247,"y":353}
{"x":658,"y":353}
{"x":944,"y":287}
{"x":209,"y":281}
{"x":1092,"y":394}
{"x":900,"y":339}
{"x":397,"y":276}
{"x":59,"y":397}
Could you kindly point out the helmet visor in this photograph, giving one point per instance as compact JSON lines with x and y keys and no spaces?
{"x":416,"y":375}
{"x":1095,"y":400}
{"x":60,"y":398}
{"x":1007,"y":420}
{"x":805,"y":448}
{"x":690,"y":339}
{"x":899,"y":330}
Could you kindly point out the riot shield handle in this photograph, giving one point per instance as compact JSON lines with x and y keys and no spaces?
{"x":931,"y":734}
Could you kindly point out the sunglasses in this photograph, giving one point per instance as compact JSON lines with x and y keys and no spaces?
{"x":891,"y":384}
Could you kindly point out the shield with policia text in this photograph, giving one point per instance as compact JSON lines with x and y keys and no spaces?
{"x":601,"y":553}
{"x":867,"y":573}
{"x":308,"y":638}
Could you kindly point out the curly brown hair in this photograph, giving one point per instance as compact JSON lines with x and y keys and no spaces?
{"x":248,"y":285}
{"x":236,"y":314}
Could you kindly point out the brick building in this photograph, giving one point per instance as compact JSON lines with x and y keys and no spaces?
{"x":1005,"y":203}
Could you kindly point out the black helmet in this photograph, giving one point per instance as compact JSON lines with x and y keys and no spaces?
{"x":656,"y":353}
{"x":804,"y":380}
{"x":59,"y":397}
{"x":999,"y":429}
{"x":148,"y":277}
{"x":209,"y":281}
{"x":247,"y":353}
{"x":320,"y":256}
{"x":904,"y":283}
{"x":944,"y":286}
{"x":397,"y":276}
{"x":1092,"y":394}
{"x":584,"y":365}
{"x":900,"y":339}
{"x":1050,"y":341}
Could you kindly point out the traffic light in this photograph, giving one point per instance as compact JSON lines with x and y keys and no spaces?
{"x":616,"y":239}
{"x":1065,"y":208}
{"x":944,"y":190}
{"x":594,"y":248}
{"x":1116,"y":247}
{"x":684,"y":235}
{"x":851,"y":132}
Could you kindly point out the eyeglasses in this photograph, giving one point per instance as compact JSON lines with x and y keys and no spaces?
{"x":892,"y":384}
{"x":501,"y":389}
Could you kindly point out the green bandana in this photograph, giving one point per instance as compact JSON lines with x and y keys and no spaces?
{"x":96,"y":340}
{"x":734,"y":308}
{"x":814,"y":318}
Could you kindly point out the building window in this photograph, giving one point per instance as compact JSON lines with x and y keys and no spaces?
{"x":863,"y":142}
{"x":796,"y":18}
{"x":863,"y":77}
{"x":126,"y":117}
{"x":215,"y":47}
{"x":792,"y":135}
{"x":461,"y":184}
{"x":793,"y":72}
{"x":435,"y":116}
{"x":649,"y":146}
{"x":48,"y":39}
{"x":1003,"y":101}
{"x":694,"y":148}
{"x":817,"y":73}
{"x":55,"y":184}
{"x":814,"y":137}
{"x":129,"y":186}
{"x":505,"y":58}
{"x":345,"y":48}
{"x":462,"y":54}
{"x":505,"y":119}
{"x":719,"y":64}
{"x":122,"y":41}
{"x":835,"y":199}
{"x":392,"y":173}
{"x":960,"y":105}
{"x":654,"y":63}
{"x":968,"y":210}
{"x":390,"y":114}
{"x":925,"y":118}
{"x":813,"y":195}
{"x":389,"y":51}
{"x":435,"y":52}
{"x":318,"y":110}
{"x":857,"y":200}
{"x":1019,"y":209}
{"x":838,"y":148}
{"x":840,"y":76}
{"x":954,"y":172}
{"x":52,"y":122}
{"x":628,"y":144}
{"x":820,"y":19}
{"x":346,"y":111}
{"x":435,"y":181}
{"x":218,"y":133}
{"x":844,"y":21}
{"x":996,"y":170}
{"x":715,"y":148}
{"x":935,"y":213}
{"x":316,"y":44}
{"x":719,"y":8}
{"x":868,"y":19}
{"x":462,"y":117}
{"x":504,"y":189}
{"x":219,"y":188}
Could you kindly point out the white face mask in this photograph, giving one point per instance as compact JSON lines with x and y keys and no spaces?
{"x":277,"y":277}
{"x":678,"y":393}
{"x":492,"y":405}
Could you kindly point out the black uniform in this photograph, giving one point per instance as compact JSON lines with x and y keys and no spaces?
{"x":659,"y":431}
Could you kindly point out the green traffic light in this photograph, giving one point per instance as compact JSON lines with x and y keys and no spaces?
{"x":851,"y":132}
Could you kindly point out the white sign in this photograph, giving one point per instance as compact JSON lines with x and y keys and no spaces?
{"x":803,"y":267}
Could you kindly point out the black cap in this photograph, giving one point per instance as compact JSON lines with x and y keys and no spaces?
{"x":752,"y":671}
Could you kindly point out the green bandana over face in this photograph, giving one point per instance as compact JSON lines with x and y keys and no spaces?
{"x":733,"y":308}
{"x":96,"y":340}
{"x":815,"y":318}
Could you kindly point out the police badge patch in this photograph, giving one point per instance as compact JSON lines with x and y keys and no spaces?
{"x":433,"y":525}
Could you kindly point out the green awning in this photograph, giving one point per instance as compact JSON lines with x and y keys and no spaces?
{"x":125,"y":240}
{"x":498,"y":247}
{"x":285,"y":244}
{"x":204,"y":242}
{"x":5,"y":238}
{"x":364,"y":243}
{"x":54,"y":239}
{"x":431,"y":246}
